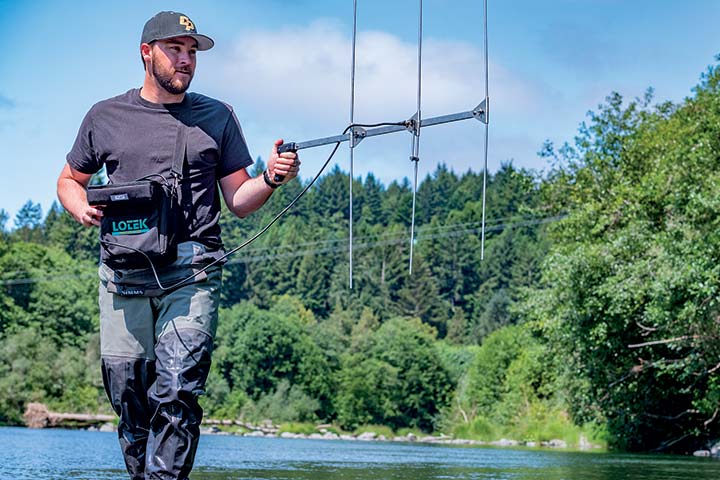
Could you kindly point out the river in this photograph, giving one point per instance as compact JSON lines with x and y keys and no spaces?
{"x":73,"y":454}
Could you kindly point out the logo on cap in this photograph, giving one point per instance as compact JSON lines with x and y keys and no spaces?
{"x":189,"y":25}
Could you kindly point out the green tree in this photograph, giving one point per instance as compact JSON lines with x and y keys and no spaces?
{"x":330,"y":198}
{"x":629,"y":291}
{"x":26,"y":357}
{"x":257,"y":349}
{"x":313,"y":282}
{"x":4,"y":217}
{"x":458,"y":328}
{"x":418,"y":297}
{"x":434,"y":194}
{"x":397,"y":379}
{"x":28,"y":222}
{"x":397,"y":203}
{"x":49,"y":290}
{"x":371,"y":195}
{"x":452,"y":248}
{"x":366,"y":393}
{"x":487,"y":374}
{"x":61,"y":230}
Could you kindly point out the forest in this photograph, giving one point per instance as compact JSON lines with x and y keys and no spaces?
{"x":595,"y":311}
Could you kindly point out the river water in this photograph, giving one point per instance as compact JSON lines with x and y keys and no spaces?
{"x":73,"y":454}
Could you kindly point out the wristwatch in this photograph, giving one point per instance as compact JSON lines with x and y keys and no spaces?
{"x":269,"y":182}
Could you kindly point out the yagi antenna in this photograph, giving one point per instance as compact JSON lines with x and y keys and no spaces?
{"x":356,"y":133}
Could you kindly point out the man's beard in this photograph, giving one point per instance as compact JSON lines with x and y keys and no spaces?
{"x":167,"y":82}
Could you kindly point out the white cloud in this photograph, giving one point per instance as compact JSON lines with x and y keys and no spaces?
{"x":305,"y":73}
{"x":297,"y":81}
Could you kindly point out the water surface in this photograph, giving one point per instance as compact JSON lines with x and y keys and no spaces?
{"x":72,"y":454}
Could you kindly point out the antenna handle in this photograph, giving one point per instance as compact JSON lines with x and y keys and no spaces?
{"x":285,"y":147}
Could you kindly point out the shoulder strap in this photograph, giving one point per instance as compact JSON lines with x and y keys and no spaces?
{"x":180,"y":151}
{"x":181,"y":141}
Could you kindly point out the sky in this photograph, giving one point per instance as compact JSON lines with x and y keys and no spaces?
{"x":285,"y":67}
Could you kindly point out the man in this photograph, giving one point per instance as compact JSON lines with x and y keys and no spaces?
{"x":156,"y":347}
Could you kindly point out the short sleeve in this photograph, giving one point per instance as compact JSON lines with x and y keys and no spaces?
{"x":82,"y":156}
{"x":234,"y":153}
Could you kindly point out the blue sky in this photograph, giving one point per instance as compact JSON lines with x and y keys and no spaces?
{"x":285,"y":67}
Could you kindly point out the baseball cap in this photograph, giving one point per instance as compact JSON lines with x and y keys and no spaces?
{"x":166,"y":25}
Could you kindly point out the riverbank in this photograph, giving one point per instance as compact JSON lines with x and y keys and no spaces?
{"x":267,"y":430}
{"x":38,"y":415}
{"x":371,"y":436}
{"x":325,"y":432}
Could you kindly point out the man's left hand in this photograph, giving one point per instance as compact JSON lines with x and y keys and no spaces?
{"x":286,"y":165}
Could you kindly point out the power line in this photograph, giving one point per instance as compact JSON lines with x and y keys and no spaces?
{"x":336,"y":245}
{"x":398,"y":239}
{"x":422,"y":230}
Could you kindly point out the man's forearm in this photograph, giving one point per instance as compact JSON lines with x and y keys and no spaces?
{"x":243,"y":194}
{"x":250,"y":196}
{"x":72,"y":196}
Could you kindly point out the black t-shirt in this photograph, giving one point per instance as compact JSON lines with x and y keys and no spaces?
{"x":134,"y":138}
